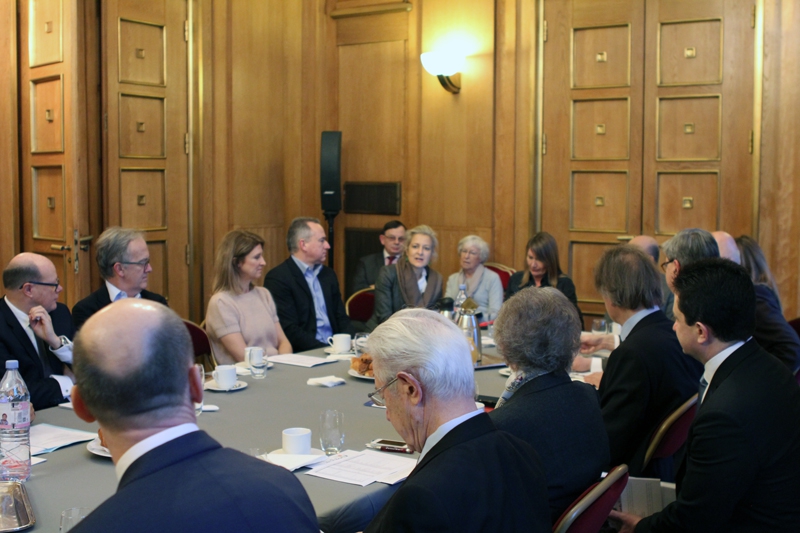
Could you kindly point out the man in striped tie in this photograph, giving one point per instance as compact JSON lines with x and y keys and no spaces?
{"x":393,"y":241}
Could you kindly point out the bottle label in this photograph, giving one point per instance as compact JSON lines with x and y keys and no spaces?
{"x":15,"y":415}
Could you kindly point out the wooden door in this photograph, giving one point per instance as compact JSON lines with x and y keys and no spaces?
{"x":592,"y":132}
{"x":54,"y":141}
{"x":145,"y":95}
{"x":699,"y":117}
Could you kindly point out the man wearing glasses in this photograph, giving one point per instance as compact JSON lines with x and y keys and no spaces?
{"x":392,"y":239}
{"x":124,"y":262}
{"x":36,"y":330}
{"x":470,"y":476}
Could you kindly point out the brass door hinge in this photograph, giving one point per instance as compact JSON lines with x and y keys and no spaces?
{"x":544,"y":144}
{"x":752,"y":141}
{"x":544,"y":31}
{"x":186,"y":30}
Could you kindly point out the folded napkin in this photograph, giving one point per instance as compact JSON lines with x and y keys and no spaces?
{"x":326,"y":381}
{"x":292,"y":462}
{"x":488,"y":342}
{"x":340,"y":356}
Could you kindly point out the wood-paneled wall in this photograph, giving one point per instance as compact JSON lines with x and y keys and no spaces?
{"x":779,"y":228}
{"x":9,"y":146}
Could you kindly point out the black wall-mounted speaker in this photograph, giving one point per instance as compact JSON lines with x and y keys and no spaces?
{"x":372,"y":198}
{"x":330,"y":181}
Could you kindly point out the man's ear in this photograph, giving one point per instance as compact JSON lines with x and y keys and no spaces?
{"x":196,"y":379}
{"x":704,"y":334}
{"x":411,"y":387}
{"x":79,"y":407}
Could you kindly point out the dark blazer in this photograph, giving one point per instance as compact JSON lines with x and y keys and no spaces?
{"x":193,"y":484}
{"x":741,"y":472}
{"x":477,"y":478}
{"x":367,"y":270}
{"x":773,"y":333}
{"x":561,"y":419}
{"x":389,"y":299}
{"x":15,"y":344}
{"x":647,"y":377}
{"x":99,"y":299}
{"x":564,"y":284}
{"x":295,"y":304}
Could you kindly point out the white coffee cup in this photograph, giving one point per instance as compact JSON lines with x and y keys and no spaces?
{"x":296,"y":441}
{"x":225,"y":376}
{"x":253,"y":354}
{"x":340,"y":342}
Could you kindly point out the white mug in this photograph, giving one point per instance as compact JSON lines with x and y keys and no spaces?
{"x":254,"y":354}
{"x":225,"y":376}
{"x":296,"y":441}
{"x":340,"y":342}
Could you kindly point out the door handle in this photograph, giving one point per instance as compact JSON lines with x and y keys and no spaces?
{"x":61,"y":247}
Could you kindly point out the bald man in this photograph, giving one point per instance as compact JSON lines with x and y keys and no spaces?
{"x":35,"y":329}
{"x":727,"y":246}
{"x":650,"y":246}
{"x":136,"y":378}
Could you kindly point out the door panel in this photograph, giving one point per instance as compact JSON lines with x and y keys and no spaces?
{"x":146,"y":108}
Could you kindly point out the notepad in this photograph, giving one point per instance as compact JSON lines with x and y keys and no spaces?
{"x":294,"y":359}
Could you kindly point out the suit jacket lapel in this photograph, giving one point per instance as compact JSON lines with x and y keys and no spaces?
{"x":102,"y":296}
{"x":299,"y":277}
{"x":19,"y":332}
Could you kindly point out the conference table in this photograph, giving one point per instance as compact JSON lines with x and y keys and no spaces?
{"x":249,"y":418}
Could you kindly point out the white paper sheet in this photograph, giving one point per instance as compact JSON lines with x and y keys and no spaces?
{"x":291,"y":462}
{"x":642,"y":496}
{"x":46,"y":438}
{"x":365,"y":467}
{"x":306,"y":361}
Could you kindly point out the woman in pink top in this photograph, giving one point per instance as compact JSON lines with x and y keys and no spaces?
{"x":241,"y":313}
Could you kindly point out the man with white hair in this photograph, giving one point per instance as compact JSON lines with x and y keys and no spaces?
{"x":470,"y":476}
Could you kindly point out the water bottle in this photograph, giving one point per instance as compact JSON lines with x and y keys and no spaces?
{"x":15,"y":425}
{"x":462,"y":295}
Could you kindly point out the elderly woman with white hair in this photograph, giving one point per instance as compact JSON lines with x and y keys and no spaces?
{"x":483,"y":285}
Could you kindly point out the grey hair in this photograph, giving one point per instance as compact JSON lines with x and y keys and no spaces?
{"x":691,"y":245}
{"x":423,"y":230}
{"x":538,"y":329}
{"x":477,"y":242}
{"x":429,"y":347}
{"x":112,"y":248}
{"x":626,"y":276}
{"x":299,"y":230}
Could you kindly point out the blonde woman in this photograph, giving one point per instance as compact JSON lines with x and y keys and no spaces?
{"x":241,"y":314}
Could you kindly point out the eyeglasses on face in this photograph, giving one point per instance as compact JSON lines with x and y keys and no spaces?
{"x":377,"y":395}
{"x":470,"y":252}
{"x":142,"y":263}
{"x":55,"y":285}
{"x":394,"y":238}
{"x":665,"y":263}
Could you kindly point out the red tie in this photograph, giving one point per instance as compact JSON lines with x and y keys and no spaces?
{"x":391,"y":259}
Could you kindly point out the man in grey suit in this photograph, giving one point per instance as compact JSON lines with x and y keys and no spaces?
{"x":392,"y":239}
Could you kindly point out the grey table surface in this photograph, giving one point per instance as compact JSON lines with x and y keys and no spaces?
{"x":249,"y":418}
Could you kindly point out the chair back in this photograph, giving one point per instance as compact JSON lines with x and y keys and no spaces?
{"x":589,"y":511}
{"x":202,"y":348}
{"x":672,"y":432}
{"x":503,"y":271}
{"x":795,"y":323}
{"x":361,"y":305}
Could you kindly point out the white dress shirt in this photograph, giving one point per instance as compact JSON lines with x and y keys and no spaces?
{"x":714,"y":363}
{"x":115,"y":294}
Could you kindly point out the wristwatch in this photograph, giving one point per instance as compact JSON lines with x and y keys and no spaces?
{"x":64,"y":341}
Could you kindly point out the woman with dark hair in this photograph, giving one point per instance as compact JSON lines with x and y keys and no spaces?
{"x":543,"y":270}
{"x":773,"y":333}
{"x":241,"y":313}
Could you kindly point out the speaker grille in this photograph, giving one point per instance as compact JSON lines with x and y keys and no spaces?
{"x":368,"y":198}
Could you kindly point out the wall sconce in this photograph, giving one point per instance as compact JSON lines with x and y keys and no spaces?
{"x":446,"y":66}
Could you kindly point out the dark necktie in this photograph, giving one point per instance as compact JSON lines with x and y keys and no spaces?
{"x":702,"y":389}
{"x":42,"y":347}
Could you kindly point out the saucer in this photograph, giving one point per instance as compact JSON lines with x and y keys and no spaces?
{"x":314,"y":451}
{"x":246,"y":366}
{"x":504,"y":372}
{"x":331,"y":351}
{"x":214,"y":386}
{"x":98,"y":449}
{"x":355,"y":374}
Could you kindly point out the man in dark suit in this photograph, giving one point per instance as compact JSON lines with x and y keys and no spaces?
{"x":135,"y":376}
{"x":741,"y":471}
{"x":538,"y":333}
{"x":305,"y":291}
{"x":124,"y":262}
{"x":36,"y":330}
{"x":648,"y":376}
{"x":392,"y":240}
{"x":470,"y":476}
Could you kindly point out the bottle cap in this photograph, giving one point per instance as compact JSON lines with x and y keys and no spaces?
{"x":12,"y":364}
{"x":462,"y":287}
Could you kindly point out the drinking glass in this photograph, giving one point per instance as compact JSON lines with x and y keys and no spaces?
{"x":360,"y":344}
{"x":71,"y":517}
{"x":599,"y":326}
{"x":255,"y":357}
{"x":198,"y":407}
{"x":331,"y":431}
